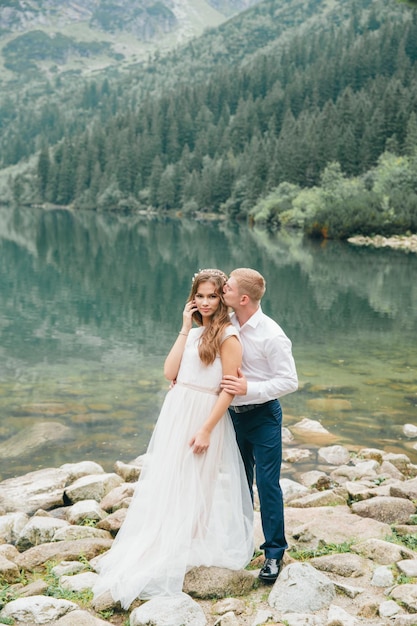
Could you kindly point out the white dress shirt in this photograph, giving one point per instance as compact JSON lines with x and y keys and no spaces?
{"x":267,"y":361}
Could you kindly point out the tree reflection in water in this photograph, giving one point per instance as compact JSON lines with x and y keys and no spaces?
{"x":90,"y":303}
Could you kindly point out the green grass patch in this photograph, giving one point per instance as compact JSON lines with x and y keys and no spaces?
{"x":6,"y":594}
{"x":322,"y":550}
{"x":409,"y":540}
{"x":83,"y":598}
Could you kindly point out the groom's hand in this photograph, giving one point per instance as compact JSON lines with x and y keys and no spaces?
{"x":235,"y":385}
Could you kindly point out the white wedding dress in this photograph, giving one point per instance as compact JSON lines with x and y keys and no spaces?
{"x":188,"y":509}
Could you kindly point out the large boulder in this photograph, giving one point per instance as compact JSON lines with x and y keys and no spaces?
{"x":38,"y":530}
{"x":42,"y":489}
{"x":217,"y":582}
{"x":36,"y":609}
{"x":178,"y":610}
{"x":301,"y":588}
{"x":34,"y":437}
{"x":62,"y":551}
{"x":92,"y":487}
{"x":11,"y":526}
{"x":386,"y":509}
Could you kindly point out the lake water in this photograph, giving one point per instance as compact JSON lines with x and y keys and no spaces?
{"x":90,"y":304}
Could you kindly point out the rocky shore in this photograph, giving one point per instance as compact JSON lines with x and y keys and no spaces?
{"x":407,"y":243}
{"x":352,"y":559}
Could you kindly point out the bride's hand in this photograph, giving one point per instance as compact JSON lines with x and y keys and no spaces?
{"x":187,"y":315}
{"x":200,"y":442}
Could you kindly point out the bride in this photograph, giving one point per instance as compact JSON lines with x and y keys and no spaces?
{"x":191,"y":504}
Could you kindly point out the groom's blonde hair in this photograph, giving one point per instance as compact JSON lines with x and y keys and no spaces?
{"x":249,"y":283}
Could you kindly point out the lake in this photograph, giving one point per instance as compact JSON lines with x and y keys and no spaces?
{"x":90,"y":304}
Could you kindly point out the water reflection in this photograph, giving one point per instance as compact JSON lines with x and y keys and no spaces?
{"x":90,"y":303}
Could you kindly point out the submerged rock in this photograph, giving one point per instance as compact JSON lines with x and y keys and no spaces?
{"x":34,"y":437}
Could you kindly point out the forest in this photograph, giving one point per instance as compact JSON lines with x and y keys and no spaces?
{"x":307,"y":121}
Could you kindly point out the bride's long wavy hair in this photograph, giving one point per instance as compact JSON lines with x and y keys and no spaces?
{"x":210,"y":341}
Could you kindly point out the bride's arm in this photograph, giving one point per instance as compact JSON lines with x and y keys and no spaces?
{"x":173,"y":360}
{"x":231,"y":357}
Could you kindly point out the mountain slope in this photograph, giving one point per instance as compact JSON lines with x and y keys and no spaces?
{"x":45,"y":37}
{"x":270,"y":98}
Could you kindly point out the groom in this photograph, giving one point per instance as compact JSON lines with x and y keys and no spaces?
{"x":268,"y":372}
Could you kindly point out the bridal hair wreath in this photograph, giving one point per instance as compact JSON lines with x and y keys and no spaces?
{"x":212,"y":272}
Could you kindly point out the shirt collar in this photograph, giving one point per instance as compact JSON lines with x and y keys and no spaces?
{"x":253,"y":321}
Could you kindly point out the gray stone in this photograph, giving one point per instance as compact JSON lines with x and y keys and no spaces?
{"x":217,"y":582}
{"x":113,"y":522}
{"x":229,"y":604}
{"x":401,"y":461}
{"x":287,"y":436}
{"x":85,"y":510}
{"x":36,"y":588}
{"x":407,"y":595}
{"x":80,"y":618}
{"x":362,"y":470}
{"x":37,"y":609}
{"x":346,"y":564}
{"x":329,"y":497}
{"x":67,"y":568}
{"x":348,"y":590}
{"x":337,"y":615}
{"x":178,"y":610}
{"x":78,"y":582}
{"x":228,"y":619}
{"x":334,"y":455}
{"x":388,"y":608}
{"x":11,"y":526}
{"x":290,"y":488}
{"x":62,"y":551}
{"x":407,"y":489}
{"x":389,"y":468}
{"x":93,"y":487}
{"x":371,"y":453}
{"x":382,"y":577}
{"x":115,"y":498}
{"x":385,"y":509}
{"x":310,"y":479}
{"x":9,"y":572}
{"x":358,"y":490}
{"x":410,"y":431}
{"x":43,"y":489}
{"x":129,"y":473}
{"x":34,"y":437}
{"x":8,"y":551}
{"x":104,"y":602}
{"x":261,"y":617}
{"x":405,"y":529}
{"x":83,"y":468}
{"x":69,"y":533}
{"x":301,"y":588}
{"x":38,"y":530}
{"x":382,"y":552}
{"x":331,"y":525}
{"x":310,"y":426}
{"x":295,"y":455}
{"x":408,"y":567}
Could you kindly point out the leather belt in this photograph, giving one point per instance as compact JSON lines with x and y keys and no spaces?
{"x":244,"y":408}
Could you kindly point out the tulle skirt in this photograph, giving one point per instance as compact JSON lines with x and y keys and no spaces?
{"x":187,"y":510}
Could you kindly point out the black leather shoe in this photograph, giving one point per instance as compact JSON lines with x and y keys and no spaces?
{"x":270,"y":570}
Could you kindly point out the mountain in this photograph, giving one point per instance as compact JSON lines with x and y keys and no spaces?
{"x":50,"y":36}
{"x":285,"y":96}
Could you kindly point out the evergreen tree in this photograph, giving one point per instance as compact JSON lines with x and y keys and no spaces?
{"x":43,"y":170}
